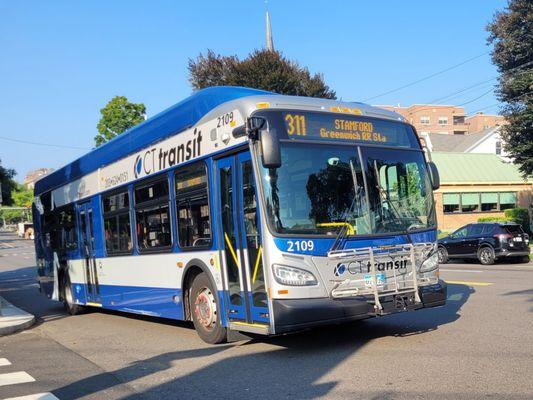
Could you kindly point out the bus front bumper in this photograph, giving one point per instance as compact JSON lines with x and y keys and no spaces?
{"x":296,"y":314}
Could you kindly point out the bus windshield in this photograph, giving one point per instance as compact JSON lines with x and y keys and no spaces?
{"x":321,"y":188}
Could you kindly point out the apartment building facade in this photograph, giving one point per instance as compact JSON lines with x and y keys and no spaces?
{"x":445,"y":119}
{"x":480,"y":122}
{"x":434,"y":118}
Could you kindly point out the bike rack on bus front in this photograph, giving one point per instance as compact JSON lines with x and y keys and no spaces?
{"x":371,"y":254}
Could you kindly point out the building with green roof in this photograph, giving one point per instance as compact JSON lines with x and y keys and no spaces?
{"x":475,"y":185}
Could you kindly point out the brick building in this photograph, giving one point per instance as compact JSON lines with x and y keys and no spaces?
{"x":445,"y":119}
{"x":434,"y":118}
{"x":480,"y":122}
{"x":475,"y":185}
{"x":34,"y":176}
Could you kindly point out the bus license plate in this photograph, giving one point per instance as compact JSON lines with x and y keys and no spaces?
{"x":381,"y":279}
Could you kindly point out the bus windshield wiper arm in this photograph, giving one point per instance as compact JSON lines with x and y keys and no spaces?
{"x":345,"y":227}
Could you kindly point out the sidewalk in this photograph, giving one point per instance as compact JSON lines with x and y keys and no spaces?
{"x":13,"y":319}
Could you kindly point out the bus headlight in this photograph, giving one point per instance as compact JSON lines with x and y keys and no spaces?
{"x":292,"y":276}
{"x":431,"y":263}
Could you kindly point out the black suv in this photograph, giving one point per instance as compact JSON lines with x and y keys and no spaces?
{"x":486,"y":242}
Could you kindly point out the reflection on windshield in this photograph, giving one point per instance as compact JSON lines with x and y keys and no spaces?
{"x":320,"y":189}
{"x":399,"y":190}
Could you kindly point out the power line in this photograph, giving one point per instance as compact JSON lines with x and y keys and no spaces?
{"x":462,"y":90}
{"x":426,"y":77}
{"x":43,"y":144}
{"x":499,"y":104}
{"x":477,"y":98}
{"x":431,"y":106}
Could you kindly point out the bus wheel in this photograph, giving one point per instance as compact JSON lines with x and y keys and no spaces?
{"x":68,"y":299}
{"x":205,"y":310}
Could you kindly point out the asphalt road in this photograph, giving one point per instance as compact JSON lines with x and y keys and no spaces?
{"x":479,"y":346}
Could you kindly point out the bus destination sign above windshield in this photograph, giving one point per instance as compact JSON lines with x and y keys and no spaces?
{"x":347,"y":129}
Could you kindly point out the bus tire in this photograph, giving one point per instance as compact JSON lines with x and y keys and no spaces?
{"x":68,"y":299}
{"x":204,"y":309}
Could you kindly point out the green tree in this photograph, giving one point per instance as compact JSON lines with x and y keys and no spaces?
{"x":21,"y":197}
{"x":511,"y":33}
{"x":8,"y":184}
{"x":262,"y":69}
{"x":118,"y":116}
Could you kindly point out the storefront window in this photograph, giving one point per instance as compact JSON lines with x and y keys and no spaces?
{"x":470,"y":202}
{"x":450,"y":202}
{"x":489,"y":201}
{"x":478,"y":202}
{"x":507,"y":200}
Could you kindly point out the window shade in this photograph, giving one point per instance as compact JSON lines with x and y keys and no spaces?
{"x":507,"y":198}
{"x":450,"y":198}
{"x":469,"y":199}
{"x":489,"y":197}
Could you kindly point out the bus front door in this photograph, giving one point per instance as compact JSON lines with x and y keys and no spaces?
{"x":240,"y":242}
{"x":87,"y":248}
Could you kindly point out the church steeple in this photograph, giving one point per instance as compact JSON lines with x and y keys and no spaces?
{"x":269,"y":40}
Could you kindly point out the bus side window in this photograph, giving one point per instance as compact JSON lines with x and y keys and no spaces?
{"x":152,"y":215}
{"x":117,"y":224}
{"x":192,"y":205}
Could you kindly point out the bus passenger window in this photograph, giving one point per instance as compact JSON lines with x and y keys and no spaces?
{"x":152,"y":215}
{"x":117,"y":225}
{"x":192,"y":205}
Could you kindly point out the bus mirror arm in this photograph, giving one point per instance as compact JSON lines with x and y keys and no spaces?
{"x":250,"y":128}
{"x":434,"y":174}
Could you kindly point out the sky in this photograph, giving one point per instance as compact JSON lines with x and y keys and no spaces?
{"x":62,"y":61}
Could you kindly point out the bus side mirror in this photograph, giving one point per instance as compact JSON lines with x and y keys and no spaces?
{"x":434,"y":175}
{"x":270,"y":149}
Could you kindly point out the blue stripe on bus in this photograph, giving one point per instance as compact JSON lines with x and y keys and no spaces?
{"x":157,"y":302}
{"x":320,"y":247}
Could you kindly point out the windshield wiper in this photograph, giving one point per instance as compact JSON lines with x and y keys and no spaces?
{"x":343,"y":232}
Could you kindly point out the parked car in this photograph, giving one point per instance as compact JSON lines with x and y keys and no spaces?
{"x":485,"y":241}
{"x":25,"y":230}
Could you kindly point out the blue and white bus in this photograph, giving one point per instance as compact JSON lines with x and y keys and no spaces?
{"x":244,"y":210}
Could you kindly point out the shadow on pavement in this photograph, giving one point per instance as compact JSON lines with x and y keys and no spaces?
{"x":285,"y":366}
{"x":522,"y":293}
{"x":20,"y":288}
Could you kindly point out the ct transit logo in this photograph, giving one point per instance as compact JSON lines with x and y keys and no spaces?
{"x":159,"y":158}
{"x":138,"y":165}
{"x":360,"y":267}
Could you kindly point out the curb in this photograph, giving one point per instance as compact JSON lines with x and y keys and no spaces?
{"x":13,"y":319}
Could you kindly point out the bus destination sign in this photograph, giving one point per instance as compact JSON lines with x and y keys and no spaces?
{"x":352,"y":129}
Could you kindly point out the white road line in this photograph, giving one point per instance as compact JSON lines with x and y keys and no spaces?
{"x":4,"y":362}
{"x":37,"y":396}
{"x":13,"y":378}
{"x":462,"y":270}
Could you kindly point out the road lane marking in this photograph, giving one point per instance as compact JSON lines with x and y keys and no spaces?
{"x":14,"y":378}
{"x":462,"y":270}
{"x":4,"y":362}
{"x":469,"y":283}
{"x":37,"y":396}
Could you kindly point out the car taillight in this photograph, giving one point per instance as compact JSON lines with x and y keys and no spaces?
{"x":503,"y":236}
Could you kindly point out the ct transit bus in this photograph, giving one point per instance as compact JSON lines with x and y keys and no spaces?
{"x":246,"y":211}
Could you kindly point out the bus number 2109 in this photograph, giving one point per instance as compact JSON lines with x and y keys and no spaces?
{"x":300,"y":245}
